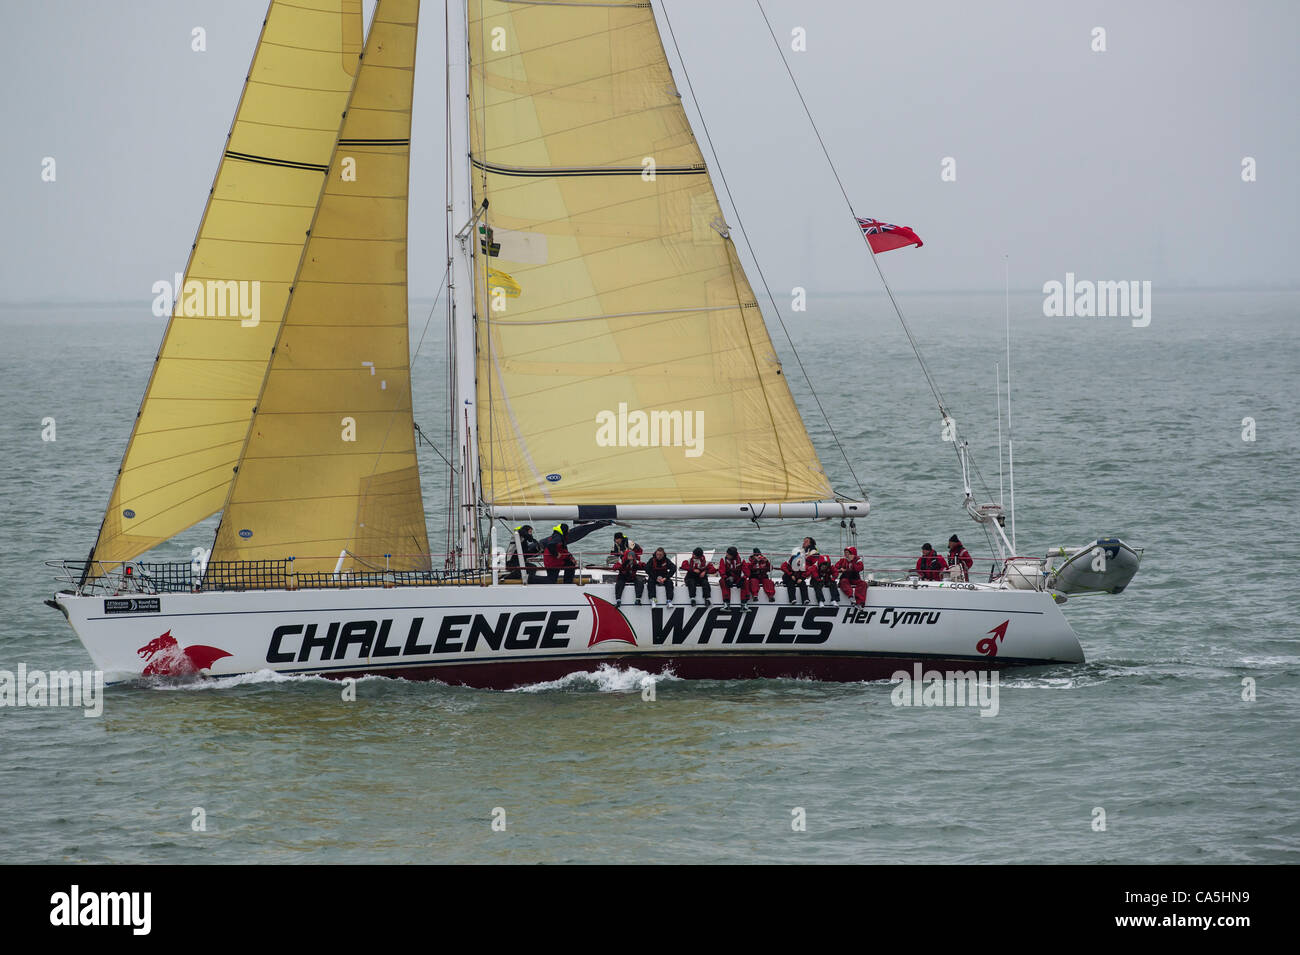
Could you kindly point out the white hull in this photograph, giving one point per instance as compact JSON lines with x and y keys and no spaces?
{"x":510,"y":635}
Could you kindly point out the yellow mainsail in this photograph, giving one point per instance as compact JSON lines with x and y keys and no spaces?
{"x":329,"y":468}
{"x":622,"y":356}
{"x":186,"y":439}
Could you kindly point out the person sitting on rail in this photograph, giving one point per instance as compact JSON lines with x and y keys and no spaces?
{"x":628,"y":565}
{"x":660,"y":571}
{"x":760,"y":578}
{"x":822,"y":576}
{"x":695,"y":571}
{"x":849,"y":569}
{"x":794,"y":572}
{"x":731,"y":576}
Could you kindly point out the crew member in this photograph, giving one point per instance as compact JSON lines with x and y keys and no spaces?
{"x":849,"y":569}
{"x":930,"y":566}
{"x":628,"y":565}
{"x":523,"y":539}
{"x":794,"y":573}
{"x":959,"y":559}
{"x":555,"y":549}
{"x":731,"y":575}
{"x":822,"y":576}
{"x":660,"y":571}
{"x":760,"y":578}
{"x":620,"y":544}
{"x":695,"y":571}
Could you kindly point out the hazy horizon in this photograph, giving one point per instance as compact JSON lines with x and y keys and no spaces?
{"x":1117,"y":165}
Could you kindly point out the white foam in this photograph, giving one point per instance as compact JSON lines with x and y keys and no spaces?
{"x":239,"y":679}
{"x":607,"y":679}
{"x":1052,"y":682}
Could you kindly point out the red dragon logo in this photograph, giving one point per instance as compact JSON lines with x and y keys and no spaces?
{"x":608,"y":623}
{"x":168,"y":658}
{"x":989,"y":645}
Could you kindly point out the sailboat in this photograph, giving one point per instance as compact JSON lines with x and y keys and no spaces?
{"x":609,"y":362}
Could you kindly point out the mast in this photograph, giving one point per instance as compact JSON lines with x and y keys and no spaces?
{"x":460,"y":234}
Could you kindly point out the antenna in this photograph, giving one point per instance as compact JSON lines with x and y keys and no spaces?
{"x":997,"y":390}
{"x":1011,"y":454}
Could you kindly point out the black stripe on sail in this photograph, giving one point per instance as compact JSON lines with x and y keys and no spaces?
{"x":268,"y":161}
{"x":374,"y":142}
{"x":544,"y":172}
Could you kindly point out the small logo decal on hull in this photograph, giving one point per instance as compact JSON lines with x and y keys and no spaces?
{"x":989,"y":645}
{"x":132,"y":605}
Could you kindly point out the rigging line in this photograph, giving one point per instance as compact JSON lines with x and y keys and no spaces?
{"x":419,"y":433}
{"x":762,"y":277}
{"x":925,"y":369}
{"x":487,"y":276}
{"x":448,"y":178}
{"x":442,"y":284}
{"x":414,"y":355}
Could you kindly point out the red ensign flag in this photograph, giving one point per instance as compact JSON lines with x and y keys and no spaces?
{"x":883,"y":237}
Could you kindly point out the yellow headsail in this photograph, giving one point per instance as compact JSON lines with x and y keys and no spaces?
{"x":192,"y":422}
{"x":622,"y":356}
{"x":329,"y":468}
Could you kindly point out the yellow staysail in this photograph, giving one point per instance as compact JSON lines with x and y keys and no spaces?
{"x":622,"y":357}
{"x":192,"y":422}
{"x":329,"y":468}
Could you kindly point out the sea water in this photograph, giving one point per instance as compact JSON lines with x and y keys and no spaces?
{"x":1175,"y":742}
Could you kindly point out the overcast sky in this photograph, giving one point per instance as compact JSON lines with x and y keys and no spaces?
{"x":1124,"y":164}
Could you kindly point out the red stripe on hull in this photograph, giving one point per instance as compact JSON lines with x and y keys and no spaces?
{"x":507,"y":675}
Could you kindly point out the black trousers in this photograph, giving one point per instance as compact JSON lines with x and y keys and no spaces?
{"x":829,"y":587}
{"x":791,"y":583}
{"x":667,"y":585}
{"x":620,"y":584}
{"x":693,"y":581}
{"x":553,"y":572}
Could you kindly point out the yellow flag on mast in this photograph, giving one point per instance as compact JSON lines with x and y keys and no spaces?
{"x":180,"y":458}
{"x":329,"y":468}
{"x":627,"y":360}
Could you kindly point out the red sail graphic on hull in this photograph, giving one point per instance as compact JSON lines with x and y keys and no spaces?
{"x":608,"y":623}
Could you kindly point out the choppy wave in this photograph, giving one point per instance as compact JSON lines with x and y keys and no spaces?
{"x":606,"y":679}
{"x":239,"y":679}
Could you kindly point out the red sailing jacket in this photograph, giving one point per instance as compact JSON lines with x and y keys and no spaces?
{"x":849,"y":568}
{"x":628,"y":565}
{"x":962,"y":558}
{"x":698,"y":567}
{"x":931,"y":568}
{"x":758,"y":567}
{"x":556,"y":554}
{"x":820,"y":568}
{"x":732,"y":571}
{"x":796,"y":574}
